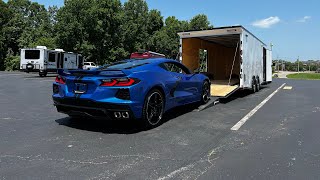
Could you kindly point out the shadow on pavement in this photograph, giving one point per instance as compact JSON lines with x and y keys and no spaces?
{"x":120,"y":126}
{"x":239,"y":94}
{"x":36,"y":76}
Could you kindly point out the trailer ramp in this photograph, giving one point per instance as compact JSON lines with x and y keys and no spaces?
{"x":224,"y":88}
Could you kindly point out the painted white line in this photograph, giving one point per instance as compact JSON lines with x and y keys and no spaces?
{"x":253,"y":111}
{"x":2,"y":74}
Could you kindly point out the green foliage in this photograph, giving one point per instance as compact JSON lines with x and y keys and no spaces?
{"x":155,"y":21}
{"x":11,"y":62}
{"x":166,"y":40}
{"x":93,"y":28}
{"x":308,"y":76}
{"x":200,"y":22}
{"x":102,"y":30}
{"x":135,"y":26}
{"x":4,"y":19}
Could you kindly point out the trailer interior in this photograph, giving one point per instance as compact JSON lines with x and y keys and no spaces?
{"x":216,"y":56}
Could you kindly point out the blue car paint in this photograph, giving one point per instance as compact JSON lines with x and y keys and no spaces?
{"x":179,"y":89}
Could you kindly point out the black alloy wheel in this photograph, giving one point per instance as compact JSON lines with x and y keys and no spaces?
{"x":153,"y":108}
{"x":205,"y":92}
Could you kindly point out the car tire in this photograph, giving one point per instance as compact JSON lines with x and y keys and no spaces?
{"x":153,"y":108}
{"x":205,"y":95}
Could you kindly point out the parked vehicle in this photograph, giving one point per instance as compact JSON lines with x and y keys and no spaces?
{"x":129,"y":89}
{"x":43,"y":60}
{"x":89,"y":65}
{"x":143,"y":54}
{"x":232,"y":57}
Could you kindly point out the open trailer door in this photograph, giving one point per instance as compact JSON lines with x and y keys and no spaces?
{"x":269,"y":66}
{"x":222,"y":57}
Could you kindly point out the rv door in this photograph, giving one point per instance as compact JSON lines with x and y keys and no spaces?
{"x":52,"y":60}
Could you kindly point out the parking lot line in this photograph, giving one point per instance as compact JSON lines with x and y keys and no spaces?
{"x":237,"y":126}
{"x":8,"y":74}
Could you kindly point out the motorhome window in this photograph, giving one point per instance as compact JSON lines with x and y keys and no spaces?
{"x":52,"y":57}
{"x":32,"y":54}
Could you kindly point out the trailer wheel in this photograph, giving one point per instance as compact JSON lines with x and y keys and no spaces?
{"x":258,"y":85}
{"x":254,"y":86}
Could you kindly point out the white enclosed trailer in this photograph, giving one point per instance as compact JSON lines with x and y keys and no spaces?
{"x":232,"y":57}
{"x":43,"y":60}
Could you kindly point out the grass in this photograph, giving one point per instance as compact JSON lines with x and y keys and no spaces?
{"x":308,"y":76}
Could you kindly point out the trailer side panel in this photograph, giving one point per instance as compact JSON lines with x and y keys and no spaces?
{"x":252,"y":59}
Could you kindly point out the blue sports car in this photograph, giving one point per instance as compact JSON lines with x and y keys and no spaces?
{"x":129,"y":89}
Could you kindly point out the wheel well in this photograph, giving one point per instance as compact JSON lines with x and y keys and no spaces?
{"x":160,"y":89}
{"x":162,"y":92}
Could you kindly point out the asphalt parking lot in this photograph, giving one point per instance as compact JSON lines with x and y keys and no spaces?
{"x":280,"y":141}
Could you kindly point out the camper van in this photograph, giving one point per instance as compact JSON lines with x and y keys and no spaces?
{"x":43,"y":60}
{"x":232,"y":57}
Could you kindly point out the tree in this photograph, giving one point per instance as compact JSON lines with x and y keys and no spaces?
{"x":166,"y":40}
{"x":135,"y":27}
{"x":200,"y":22}
{"x":155,"y":21}
{"x":93,"y":28}
{"x":4,"y":19}
{"x":11,"y":61}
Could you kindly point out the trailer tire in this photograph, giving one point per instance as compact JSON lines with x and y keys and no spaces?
{"x":258,"y":85}
{"x":254,"y":86}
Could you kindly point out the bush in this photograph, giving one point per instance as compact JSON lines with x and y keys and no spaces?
{"x":304,"y":76}
{"x":12,"y":63}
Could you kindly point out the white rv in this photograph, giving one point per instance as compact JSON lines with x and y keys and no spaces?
{"x":232,"y":57}
{"x":43,"y":60}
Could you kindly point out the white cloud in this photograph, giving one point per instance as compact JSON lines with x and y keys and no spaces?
{"x":304,"y":19}
{"x":266,"y":23}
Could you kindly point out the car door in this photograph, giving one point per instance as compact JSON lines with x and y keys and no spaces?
{"x":186,"y":88}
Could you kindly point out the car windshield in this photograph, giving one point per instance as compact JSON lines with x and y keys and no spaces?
{"x":123,"y":65}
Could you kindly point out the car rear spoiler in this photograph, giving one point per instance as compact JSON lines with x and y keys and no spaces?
{"x":109,"y":72}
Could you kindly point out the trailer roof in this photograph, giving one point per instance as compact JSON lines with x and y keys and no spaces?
{"x":217,"y":31}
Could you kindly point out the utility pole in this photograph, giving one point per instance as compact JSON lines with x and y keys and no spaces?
{"x":298,"y":63}
{"x":309,"y":67}
{"x":278,"y":63}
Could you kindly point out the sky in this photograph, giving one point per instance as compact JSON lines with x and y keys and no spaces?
{"x":292,"y":26}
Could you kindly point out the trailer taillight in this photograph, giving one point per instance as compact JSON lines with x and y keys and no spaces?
{"x":60,"y":80}
{"x":119,"y":82}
